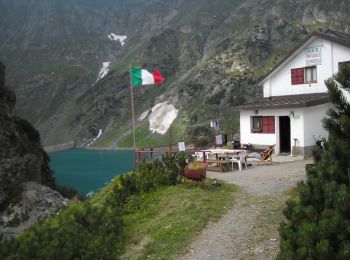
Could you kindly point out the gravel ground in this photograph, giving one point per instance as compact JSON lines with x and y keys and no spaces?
{"x":250,"y":229}
{"x":266,"y":179}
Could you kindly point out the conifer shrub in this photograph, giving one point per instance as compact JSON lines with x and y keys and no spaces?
{"x":82,"y":231}
{"x":318,"y":219}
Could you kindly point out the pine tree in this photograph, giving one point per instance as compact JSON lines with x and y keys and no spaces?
{"x":318,"y":218}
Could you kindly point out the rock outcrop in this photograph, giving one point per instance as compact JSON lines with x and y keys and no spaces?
{"x":22,"y":158}
{"x":36,"y":203}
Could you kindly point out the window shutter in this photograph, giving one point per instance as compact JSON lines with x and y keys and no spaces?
{"x":268,"y":125}
{"x":265,"y":124}
{"x":294,"y":76}
{"x":272,"y":124}
{"x":297,"y":76}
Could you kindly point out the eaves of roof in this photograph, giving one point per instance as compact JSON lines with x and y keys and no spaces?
{"x":328,"y":36}
{"x":292,"y":101}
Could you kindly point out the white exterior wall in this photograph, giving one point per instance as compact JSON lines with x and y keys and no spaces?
{"x":296,"y":125}
{"x":255,"y":138}
{"x":305,"y":123}
{"x":279,"y":83}
{"x":313,"y":117}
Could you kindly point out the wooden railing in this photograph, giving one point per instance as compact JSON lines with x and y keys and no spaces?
{"x":155,"y":152}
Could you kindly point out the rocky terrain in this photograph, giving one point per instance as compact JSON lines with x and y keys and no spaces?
{"x":24,"y":168}
{"x":36,"y":203}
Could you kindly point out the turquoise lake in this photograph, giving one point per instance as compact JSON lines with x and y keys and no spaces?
{"x":89,"y":170}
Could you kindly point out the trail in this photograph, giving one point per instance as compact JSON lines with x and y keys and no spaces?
{"x":250,"y":229}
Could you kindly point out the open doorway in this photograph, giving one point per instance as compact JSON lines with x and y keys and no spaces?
{"x":285,"y":145}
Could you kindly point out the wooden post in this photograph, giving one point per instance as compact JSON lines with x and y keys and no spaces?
{"x":170,"y":137}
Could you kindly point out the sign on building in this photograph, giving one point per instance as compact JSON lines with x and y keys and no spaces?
{"x":313,"y":56}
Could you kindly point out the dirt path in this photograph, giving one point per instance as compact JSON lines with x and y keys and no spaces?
{"x":250,"y":229}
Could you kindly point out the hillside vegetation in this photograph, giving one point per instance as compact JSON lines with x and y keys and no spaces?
{"x":212,"y":53}
{"x":130,"y":217}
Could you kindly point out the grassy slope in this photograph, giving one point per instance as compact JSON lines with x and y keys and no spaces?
{"x":161,"y":223}
{"x":156,"y":225}
{"x":169,"y":218}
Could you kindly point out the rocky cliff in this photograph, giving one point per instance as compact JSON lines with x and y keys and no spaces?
{"x":22,"y":160}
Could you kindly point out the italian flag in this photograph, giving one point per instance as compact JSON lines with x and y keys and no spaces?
{"x":140,"y":77}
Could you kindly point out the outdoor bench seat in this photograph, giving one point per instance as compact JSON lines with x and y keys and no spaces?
{"x":222,"y":165}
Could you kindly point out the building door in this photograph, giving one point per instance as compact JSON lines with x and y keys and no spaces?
{"x":285,"y":145}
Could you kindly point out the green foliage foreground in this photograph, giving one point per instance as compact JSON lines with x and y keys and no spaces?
{"x":150,"y":203}
{"x":318,"y":221}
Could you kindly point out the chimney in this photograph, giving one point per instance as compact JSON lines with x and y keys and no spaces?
{"x":2,"y":75}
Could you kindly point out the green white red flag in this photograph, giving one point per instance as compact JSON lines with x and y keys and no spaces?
{"x":141,"y":77}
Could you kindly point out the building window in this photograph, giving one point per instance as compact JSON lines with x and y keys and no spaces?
{"x":263,"y":124}
{"x":310,"y":74}
{"x":256,"y":123}
{"x":304,"y":75}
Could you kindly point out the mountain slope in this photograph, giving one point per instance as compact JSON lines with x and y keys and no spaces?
{"x":211,"y":52}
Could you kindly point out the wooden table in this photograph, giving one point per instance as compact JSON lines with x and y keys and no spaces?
{"x":221,"y":162}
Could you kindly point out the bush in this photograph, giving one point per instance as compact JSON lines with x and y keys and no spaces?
{"x":69,"y":192}
{"x":148,"y":176}
{"x":81,"y":231}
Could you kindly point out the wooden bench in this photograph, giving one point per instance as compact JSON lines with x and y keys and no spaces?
{"x":222,"y":165}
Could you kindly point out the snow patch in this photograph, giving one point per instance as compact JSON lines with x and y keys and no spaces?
{"x":94,"y":139}
{"x":118,"y":38}
{"x":161,"y":117}
{"x":104,"y":70}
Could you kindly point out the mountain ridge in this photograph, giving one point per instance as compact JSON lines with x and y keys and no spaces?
{"x":212,"y":54}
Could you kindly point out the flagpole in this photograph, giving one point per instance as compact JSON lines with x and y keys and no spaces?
{"x":132,"y":112}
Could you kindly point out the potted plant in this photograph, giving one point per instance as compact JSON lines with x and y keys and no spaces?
{"x":196,"y":171}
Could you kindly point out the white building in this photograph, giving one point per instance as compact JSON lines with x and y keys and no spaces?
{"x":295,"y":96}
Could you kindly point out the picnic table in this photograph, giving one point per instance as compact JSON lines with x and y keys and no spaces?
{"x":222,"y":158}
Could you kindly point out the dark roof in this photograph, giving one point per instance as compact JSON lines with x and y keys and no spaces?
{"x":334,"y":36}
{"x":293,"y":101}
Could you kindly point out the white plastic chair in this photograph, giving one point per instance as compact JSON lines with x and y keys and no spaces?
{"x":199,"y":156}
{"x":240,"y":159}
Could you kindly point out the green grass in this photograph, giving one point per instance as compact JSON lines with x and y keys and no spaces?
{"x":145,"y":138}
{"x":108,"y":138}
{"x":171,"y":217}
